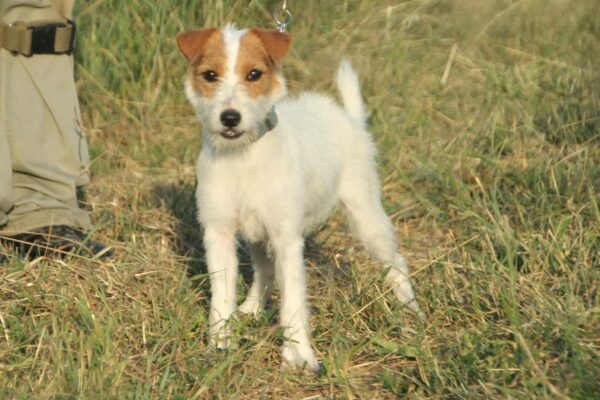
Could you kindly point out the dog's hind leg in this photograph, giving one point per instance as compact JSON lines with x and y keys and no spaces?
{"x":374,"y":228}
{"x":262,"y":285}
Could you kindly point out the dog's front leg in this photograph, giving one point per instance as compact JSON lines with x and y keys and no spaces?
{"x":222,"y":263}
{"x":289,"y":264}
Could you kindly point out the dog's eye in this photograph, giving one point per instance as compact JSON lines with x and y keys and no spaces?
{"x":209,"y":76}
{"x":254,"y":75}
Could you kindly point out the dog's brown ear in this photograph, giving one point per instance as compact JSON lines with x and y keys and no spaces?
{"x":276,"y":43}
{"x":191,"y":43}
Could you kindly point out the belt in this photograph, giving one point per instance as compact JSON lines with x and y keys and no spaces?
{"x":38,"y":37}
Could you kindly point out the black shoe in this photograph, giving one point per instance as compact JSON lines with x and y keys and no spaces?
{"x":55,"y":241}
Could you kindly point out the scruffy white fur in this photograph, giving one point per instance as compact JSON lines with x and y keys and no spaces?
{"x":275,"y":189}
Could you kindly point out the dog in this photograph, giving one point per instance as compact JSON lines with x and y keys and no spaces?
{"x":271,"y":170}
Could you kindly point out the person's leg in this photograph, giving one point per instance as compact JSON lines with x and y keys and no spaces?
{"x":6,"y":188}
{"x":42,"y":145}
{"x":39,"y":119}
{"x":47,"y":148}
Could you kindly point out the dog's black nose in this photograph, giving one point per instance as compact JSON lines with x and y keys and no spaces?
{"x":230,"y":118}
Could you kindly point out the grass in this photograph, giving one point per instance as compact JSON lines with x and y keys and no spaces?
{"x":487,"y":117}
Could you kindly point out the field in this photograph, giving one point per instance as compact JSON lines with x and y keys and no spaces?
{"x":486,"y":114}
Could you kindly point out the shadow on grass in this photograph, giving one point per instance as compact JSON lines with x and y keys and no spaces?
{"x":179,"y":199}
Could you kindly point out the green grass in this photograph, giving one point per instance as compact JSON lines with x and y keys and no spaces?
{"x":487,"y":117}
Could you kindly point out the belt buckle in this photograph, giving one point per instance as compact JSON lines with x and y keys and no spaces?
{"x":43,"y":38}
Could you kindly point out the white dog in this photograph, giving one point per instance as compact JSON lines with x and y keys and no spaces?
{"x":271,"y":170}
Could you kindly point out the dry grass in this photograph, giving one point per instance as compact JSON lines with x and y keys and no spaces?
{"x":487,"y":117}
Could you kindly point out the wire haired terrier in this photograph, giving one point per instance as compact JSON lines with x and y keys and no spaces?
{"x":271,"y":170}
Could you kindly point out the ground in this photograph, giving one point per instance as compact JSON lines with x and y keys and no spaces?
{"x":486,"y":117}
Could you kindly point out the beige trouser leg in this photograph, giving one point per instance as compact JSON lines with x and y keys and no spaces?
{"x":43,"y":151}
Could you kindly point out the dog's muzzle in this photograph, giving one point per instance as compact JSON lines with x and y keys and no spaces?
{"x":231,"y":118}
{"x":231,"y":133}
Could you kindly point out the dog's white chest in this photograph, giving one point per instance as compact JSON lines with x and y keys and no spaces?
{"x":234,"y":193}
{"x":250,"y":224}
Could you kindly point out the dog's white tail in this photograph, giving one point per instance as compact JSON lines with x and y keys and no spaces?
{"x":349,"y":87}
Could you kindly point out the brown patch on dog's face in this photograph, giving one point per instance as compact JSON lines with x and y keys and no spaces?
{"x":192,"y":43}
{"x":205,"y":48}
{"x":259,"y":60}
{"x":276,"y":43}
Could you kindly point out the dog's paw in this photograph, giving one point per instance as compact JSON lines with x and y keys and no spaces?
{"x":252,"y":305}
{"x":221,"y":342}
{"x":220,"y":336}
{"x":403,"y":292}
{"x":299,"y":356}
{"x":414,"y":306}
{"x":399,"y":280}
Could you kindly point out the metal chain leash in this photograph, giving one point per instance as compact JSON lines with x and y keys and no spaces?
{"x":282,"y":16}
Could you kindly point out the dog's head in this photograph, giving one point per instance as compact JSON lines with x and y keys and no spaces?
{"x":234,"y":80}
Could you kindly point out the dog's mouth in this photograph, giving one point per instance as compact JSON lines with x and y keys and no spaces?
{"x":231,"y":133}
